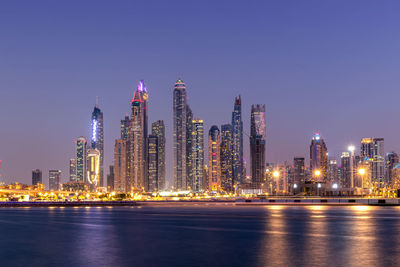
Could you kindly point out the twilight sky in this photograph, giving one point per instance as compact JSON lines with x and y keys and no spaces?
{"x":327,"y":66}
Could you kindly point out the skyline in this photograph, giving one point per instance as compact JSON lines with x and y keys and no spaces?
{"x":59,"y":93}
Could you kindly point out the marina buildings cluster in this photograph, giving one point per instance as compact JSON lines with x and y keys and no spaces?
{"x":139,"y":163}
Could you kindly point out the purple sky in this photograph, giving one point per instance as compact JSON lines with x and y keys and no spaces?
{"x":327,"y":66}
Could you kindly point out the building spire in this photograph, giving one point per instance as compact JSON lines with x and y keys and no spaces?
{"x":97,"y":102}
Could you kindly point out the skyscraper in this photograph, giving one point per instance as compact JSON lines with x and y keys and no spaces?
{"x":198,"y":155}
{"x":97,"y":139}
{"x":345,"y":170}
{"x":110,"y":179}
{"x":81,"y":159}
{"x":318,"y":158}
{"x":237,"y":137}
{"x":179,"y":135}
{"x":332,"y":173}
{"x":120,"y":166}
{"x":138,"y":136}
{"x":54,"y":180}
{"x":392,"y":159}
{"x":93,"y":168}
{"x":214,"y":162}
{"x":152,"y":161}
{"x":299,"y":170}
{"x":372,"y":149}
{"x":125,"y":127}
{"x":189,"y":148}
{"x":158,"y":130}
{"x":257,"y":144}
{"x":227,"y":158}
{"x":72,"y":170}
{"x":36,"y":177}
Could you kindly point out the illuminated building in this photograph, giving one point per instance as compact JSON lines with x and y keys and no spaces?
{"x":152,"y":160}
{"x":81,"y":159}
{"x":257,"y":145}
{"x":204,"y":185}
{"x":198,"y":156}
{"x":189,"y":148}
{"x":372,"y":149}
{"x":237,"y":138}
{"x":179,"y":135}
{"x":395,"y":182}
{"x":299,"y":175}
{"x":120,"y":166}
{"x":158,"y":130}
{"x":110,"y":179}
{"x":36,"y":177}
{"x":318,"y":158}
{"x":97,"y":139}
{"x":214,"y":162}
{"x":72,"y":169}
{"x":391,"y":160}
{"x":137,"y":140}
{"x":73,"y":186}
{"x":125,"y":127}
{"x":332,"y":173}
{"x":227,"y":158}
{"x":54,"y":180}
{"x":93,"y":168}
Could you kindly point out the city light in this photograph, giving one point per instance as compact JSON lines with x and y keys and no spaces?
{"x":317,"y":173}
{"x":275,"y":174}
{"x":361,"y":171}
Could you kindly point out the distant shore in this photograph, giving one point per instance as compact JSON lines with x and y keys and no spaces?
{"x":241,"y":202}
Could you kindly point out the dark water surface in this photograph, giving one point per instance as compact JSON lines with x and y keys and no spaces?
{"x":206,"y":235}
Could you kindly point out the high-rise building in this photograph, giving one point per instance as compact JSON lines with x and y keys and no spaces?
{"x":318,"y":158}
{"x":120,"y":166}
{"x":198,"y":155}
{"x":332,"y":173}
{"x":237,"y":137}
{"x":392,"y":159}
{"x":205,"y":183}
{"x":179,"y":135}
{"x":54,"y":180}
{"x":227,"y":158}
{"x":138,"y":136}
{"x":125,"y":128}
{"x":152,"y":161}
{"x":81,"y":148}
{"x":110,"y":179}
{"x":72,"y":170}
{"x":345,"y":171}
{"x":189,"y":148}
{"x":299,"y":175}
{"x":97,"y":139}
{"x":257,"y":145}
{"x":214,"y":162}
{"x":158,"y":130}
{"x":93,"y":168}
{"x":36,"y":177}
{"x":372,"y":149}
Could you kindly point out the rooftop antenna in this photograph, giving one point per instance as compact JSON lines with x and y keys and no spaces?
{"x":97,"y":102}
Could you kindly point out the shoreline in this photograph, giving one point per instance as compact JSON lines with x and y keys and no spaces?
{"x":245,"y":202}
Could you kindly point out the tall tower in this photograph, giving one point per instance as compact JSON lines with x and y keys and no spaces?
{"x":138,"y":138}
{"x":227,"y":158}
{"x":120,"y":166}
{"x":152,"y":161}
{"x":97,"y":139}
{"x":318,"y":158}
{"x":36,"y":177}
{"x":257,"y":144}
{"x":93,"y":168}
{"x":214,"y":161}
{"x":158,"y":130}
{"x":237,"y":137}
{"x":54,"y":180}
{"x":81,"y":147}
{"x":198,"y":155}
{"x":299,"y":170}
{"x":392,"y":159}
{"x":72,"y":170}
{"x":189,"y":148}
{"x":372,"y":150}
{"x":179,"y":136}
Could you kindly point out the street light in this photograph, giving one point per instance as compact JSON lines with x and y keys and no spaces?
{"x":275,"y":174}
{"x":317,"y":173}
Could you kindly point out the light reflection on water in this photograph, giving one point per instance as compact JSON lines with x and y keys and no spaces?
{"x":201,"y":235}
